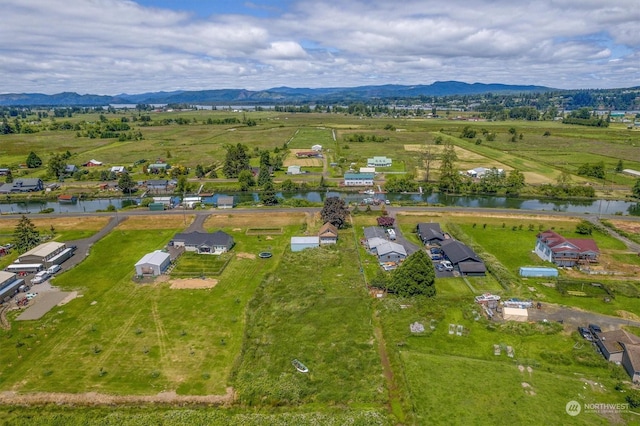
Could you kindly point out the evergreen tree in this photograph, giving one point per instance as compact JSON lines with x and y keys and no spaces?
{"x":636,"y":189}
{"x":126,"y":184}
{"x":415,"y":276}
{"x":619,"y":166}
{"x":235,"y":161}
{"x":268,"y":195}
{"x":25,"y":235}
{"x":199,"y":171}
{"x":33,"y":161}
{"x":245,"y":177}
{"x":449,"y":177}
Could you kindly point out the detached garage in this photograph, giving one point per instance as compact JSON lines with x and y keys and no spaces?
{"x":153,"y":263}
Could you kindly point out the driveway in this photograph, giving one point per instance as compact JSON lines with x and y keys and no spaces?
{"x":578,"y":318}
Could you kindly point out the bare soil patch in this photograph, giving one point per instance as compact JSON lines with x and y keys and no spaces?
{"x":156,"y":222}
{"x":627,"y":226}
{"x":628,"y":315}
{"x":248,"y":220}
{"x":292,"y":160}
{"x":246,"y":255}
{"x":193,"y":283}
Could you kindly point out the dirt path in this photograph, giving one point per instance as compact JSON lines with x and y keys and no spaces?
{"x":97,"y":399}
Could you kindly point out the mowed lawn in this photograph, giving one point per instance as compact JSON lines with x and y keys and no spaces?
{"x":125,"y":338}
{"x":313,"y":308}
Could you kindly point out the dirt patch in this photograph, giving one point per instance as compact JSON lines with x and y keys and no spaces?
{"x":628,"y":315}
{"x":237,"y":229}
{"x":627,"y":226}
{"x":156,"y":222}
{"x":246,"y":255}
{"x":193,"y":283}
{"x":97,"y":399}
{"x":63,"y":223}
{"x":292,"y":160}
{"x":248,"y":220}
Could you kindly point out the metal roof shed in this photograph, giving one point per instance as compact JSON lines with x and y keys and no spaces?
{"x":153,"y":263}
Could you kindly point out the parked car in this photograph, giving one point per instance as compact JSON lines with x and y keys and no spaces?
{"x":434,"y":250}
{"x":585,"y":333}
{"x":40,"y":277}
{"x":439,"y":267}
{"x":437,"y":257}
{"x":392,"y":234}
{"x":447,"y":265}
{"x":594,"y":328}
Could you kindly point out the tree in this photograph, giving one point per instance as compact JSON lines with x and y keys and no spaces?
{"x":335,"y":212}
{"x":235,"y":161}
{"x":183,"y":185}
{"x":199,"y":171}
{"x":246,"y":180}
{"x":449,"y":176}
{"x":268,"y":195}
{"x":427,"y":158}
{"x":33,"y":161}
{"x":619,"y":166}
{"x":636,"y":189}
{"x":126,"y":184}
{"x":385,"y":221}
{"x":57,"y":165}
{"x":515,"y":182}
{"x":584,"y":228}
{"x":415,"y":276}
{"x":25,"y":235}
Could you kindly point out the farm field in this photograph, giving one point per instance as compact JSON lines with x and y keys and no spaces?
{"x":542,"y":159}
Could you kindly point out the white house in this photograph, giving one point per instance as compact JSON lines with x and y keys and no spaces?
{"x":316,"y":148}
{"x":118,"y":169}
{"x":153,"y":263}
{"x":379,"y":161}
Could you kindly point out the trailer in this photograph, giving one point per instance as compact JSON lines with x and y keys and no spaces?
{"x":10,"y":289}
{"x":25,"y":267}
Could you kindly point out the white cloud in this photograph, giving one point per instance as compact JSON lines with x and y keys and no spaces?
{"x":114,"y":46}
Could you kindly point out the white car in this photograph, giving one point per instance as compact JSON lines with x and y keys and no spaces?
{"x":40,"y":277}
{"x":447,"y":265}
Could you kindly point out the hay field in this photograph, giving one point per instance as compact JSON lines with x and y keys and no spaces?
{"x":292,"y":160}
{"x":248,"y":220}
{"x":156,"y":222}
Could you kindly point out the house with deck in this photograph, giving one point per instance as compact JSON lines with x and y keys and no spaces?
{"x":566,"y":252}
{"x":204,"y":242}
{"x":358,"y":179}
{"x":379,"y":161}
{"x":328,"y":234}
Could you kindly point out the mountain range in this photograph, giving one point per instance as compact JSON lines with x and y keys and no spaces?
{"x":276,"y":95}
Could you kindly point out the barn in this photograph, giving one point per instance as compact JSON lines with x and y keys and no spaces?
{"x":50,"y":253}
{"x":153,"y":263}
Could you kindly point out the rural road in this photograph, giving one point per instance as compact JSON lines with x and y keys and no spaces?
{"x":577,"y":317}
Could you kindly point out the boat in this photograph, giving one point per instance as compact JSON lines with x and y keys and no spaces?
{"x":67,"y":199}
{"x":487,"y":297}
{"x":369,"y":192}
{"x":300,"y":366}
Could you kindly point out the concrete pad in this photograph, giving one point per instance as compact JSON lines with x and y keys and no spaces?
{"x":41,"y":304}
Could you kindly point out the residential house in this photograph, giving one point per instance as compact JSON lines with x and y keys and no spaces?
{"x":379,"y":161}
{"x":631,"y":361}
{"x":225,"y":202}
{"x":391,"y":252}
{"x":375,"y":231}
{"x":430,"y":233}
{"x":157,"y":185}
{"x":118,"y":170}
{"x":153,"y":263}
{"x":22,"y":185}
{"x":373,"y":243}
{"x":70,"y":169}
{"x":463,"y":258}
{"x":567,"y":252}
{"x":5,"y":172}
{"x":165,"y":201}
{"x":302,"y":243}
{"x":358,"y":179}
{"x":204,"y":242}
{"x":611,"y":343}
{"x":328,"y":234}
{"x":156,"y":168}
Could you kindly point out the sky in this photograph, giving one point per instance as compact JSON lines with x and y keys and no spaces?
{"x":111,"y":47}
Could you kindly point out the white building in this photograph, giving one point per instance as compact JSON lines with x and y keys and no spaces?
{"x":153,"y":263}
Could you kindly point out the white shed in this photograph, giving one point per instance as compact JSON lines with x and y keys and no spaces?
{"x":301,"y":243}
{"x":153,"y":263}
{"x":515,"y":314}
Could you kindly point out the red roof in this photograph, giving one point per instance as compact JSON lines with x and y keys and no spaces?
{"x":558,"y":243}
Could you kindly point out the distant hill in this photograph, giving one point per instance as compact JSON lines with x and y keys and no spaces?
{"x":277,"y":95}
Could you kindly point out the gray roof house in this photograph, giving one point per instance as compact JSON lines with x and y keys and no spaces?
{"x":430,"y":233}
{"x":157,"y":185}
{"x":204,"y":242}
{"x":70,"y":169}
{"x":375,"y":231}
{"x":463,"y":257}
{"x":391,"y":252}
{"x":22,"y":185}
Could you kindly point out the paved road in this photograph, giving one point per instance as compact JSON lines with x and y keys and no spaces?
{"x":83,"y":246}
